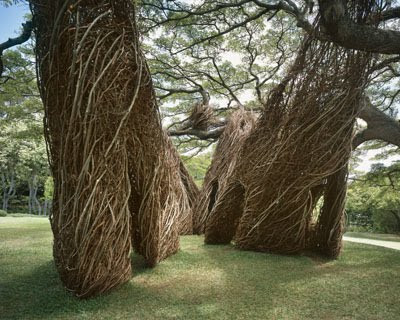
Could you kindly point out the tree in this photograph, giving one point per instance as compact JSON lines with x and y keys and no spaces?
{"x":11,"y":42}
{"x":197,"y":166}
{"x":222,"y":19}
{"x":48,"y":195}
{"x":34,"y":169}
{"x":9,"y":155}
{"x":373,"y":199}
{"x":21,"y":124}
{"x":240,"y":26}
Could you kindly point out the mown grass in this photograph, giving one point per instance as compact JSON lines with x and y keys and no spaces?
{"x":202,"y":282}
{"x":374,"y":236}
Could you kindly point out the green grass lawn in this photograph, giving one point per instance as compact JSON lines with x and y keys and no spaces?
{"x":374,"y":236}
{"x":202,"y":282}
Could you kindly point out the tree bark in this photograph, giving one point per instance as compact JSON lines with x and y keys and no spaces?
{"x":8,"y":186}
{"x":30,"y":202}
{"x":35,"y":201}
{"x":345,"y":32}
{"x":201,"y":134}
{"x":3,"y":187}
{"x":380,"y":126}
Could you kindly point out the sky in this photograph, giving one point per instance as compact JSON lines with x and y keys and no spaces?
{"x":12,"y":17}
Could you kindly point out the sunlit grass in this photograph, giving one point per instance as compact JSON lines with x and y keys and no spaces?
{"x":202,"y":282}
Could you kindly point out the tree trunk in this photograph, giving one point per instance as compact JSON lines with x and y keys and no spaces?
{"x":8,"y":186}
{"x":4,"y":195}
{"x":45,"y":207}
{"x":35,"y":200}
{"x":30,"y":199}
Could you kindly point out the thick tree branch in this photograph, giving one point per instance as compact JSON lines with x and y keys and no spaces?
{"x":201,"y":134}
{"x":392,"y":13}
{"x":171,"y":91}
{"x":345,"y":32}
{"x":11,"y":42}
{"x":380,"y":126}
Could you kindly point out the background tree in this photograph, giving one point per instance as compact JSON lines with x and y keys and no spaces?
{"x":373,"y":200}
{"x":22,"y":153}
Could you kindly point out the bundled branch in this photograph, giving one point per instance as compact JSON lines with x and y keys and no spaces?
{"x":223,"y":163}
{"x":299,"y":148}
{"x":201,"y":117}
{"x":116,"y":174}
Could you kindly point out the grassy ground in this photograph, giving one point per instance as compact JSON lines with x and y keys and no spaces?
{"x":374,"y":236}
{"x":202,"y":282}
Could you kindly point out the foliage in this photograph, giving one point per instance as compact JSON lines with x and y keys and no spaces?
{"x":3,"y":213}
{"x":49,"y":188}
{"x":7,"y":3}
{"x":235,"y":51}
{"x":23,"y":158}
{"x":373,"y":199}
{"x":224,"y":72}
{"x":197,"y":166}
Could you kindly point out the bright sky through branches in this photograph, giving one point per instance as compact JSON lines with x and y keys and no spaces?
{"x":11,"y":19}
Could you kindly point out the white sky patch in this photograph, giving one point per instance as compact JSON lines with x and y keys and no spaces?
{"x":233,"y":57}
{"x":368,"y":160}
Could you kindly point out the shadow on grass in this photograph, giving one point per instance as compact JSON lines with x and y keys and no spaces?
{"x":39,"y":295}
{"x":153,"y":293}
{"x":300,"y":283}
{"x":204,"y":282}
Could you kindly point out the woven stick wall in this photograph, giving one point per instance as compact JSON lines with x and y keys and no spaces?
{"x":159,"y":204}
{"x":224,"y":159}
{"x":192,"y":192}
{"x":326,"y":235}
{"x":302,"y":139}
{"x":201,"y":117}
{"x":110,"y":159}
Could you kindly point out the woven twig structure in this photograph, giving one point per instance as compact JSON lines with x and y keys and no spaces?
{"x":326,"y":235}
{"x":302,"y":141}
{"x":222,"y":165}
{"x":160,"y":205}
{"x":116,"y":177}
{"x":201,"y":116}
{"x":192,"y":192}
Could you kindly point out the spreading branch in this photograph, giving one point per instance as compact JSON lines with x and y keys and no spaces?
{"x":380,"y":126}
{"x":201,"y":134}
{"x":27,"y":28}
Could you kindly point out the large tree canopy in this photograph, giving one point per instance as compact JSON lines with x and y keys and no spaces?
{"x":191,"y":53}
{"x":231,"y":53}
